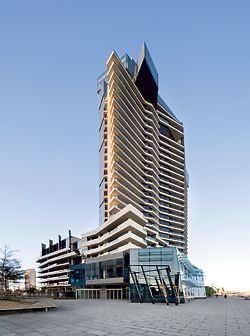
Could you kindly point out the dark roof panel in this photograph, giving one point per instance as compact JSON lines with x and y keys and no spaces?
{"x":147,"y":77}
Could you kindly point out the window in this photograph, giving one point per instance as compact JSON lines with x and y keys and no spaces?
{"x":164,"y":198}
{"x":164,"y":130}
{"x":164,"y":210}
{"x":164,"y":178}
{"x":164,"y":235}
{"x":164,"y":229}
{"x":162,"y":184}
{"x":164,"y":191}
{"x":163,"y":222}
{"x":164,"y":216}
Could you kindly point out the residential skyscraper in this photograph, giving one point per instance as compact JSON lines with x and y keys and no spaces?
{"x":141,"y":151}
{"x":138,"y":251}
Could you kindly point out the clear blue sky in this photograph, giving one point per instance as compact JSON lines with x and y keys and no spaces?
{"x":51,"y":53}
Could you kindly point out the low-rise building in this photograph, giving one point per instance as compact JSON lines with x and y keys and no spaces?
{"x":29,"y":278}
{"x":54,"y":265}
{"x":160,"y":274}
{"x":120,"y":263}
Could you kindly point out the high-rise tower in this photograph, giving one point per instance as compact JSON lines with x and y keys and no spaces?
{"x":141,"y":151}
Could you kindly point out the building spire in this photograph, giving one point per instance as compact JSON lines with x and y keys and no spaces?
{"x":147,"y":76}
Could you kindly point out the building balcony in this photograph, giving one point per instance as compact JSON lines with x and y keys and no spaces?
{"x":48,"y":274}
{"x":54,"y":279}
{"x":52,"y":254}
{"x":54,"y":266}
{"x":118,"y":242}
{"x":115,"y":233}
{"x":170,"y":227}
{"x":61,"y":257}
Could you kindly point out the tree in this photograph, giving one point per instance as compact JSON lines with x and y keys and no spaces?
{"x":210,"y":291}
{"x":31,"y":291}
{"x":9,"y":268}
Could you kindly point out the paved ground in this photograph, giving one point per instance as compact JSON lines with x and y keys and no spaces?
{"x":215,"y":317}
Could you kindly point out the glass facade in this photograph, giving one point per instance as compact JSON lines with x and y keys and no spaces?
{"x":129,"y":64}
{"x":156,"y":271}
{"x":166,"y":107}
{"x":101,"y":164}
{"x":77,"y":275}
{"x":145,"y":55}
{"x":101,"y":210}
{"x":160,"y":273}
{"x":164,"y":130}
{"x":109,"y":269}
{"x":192,"y":278}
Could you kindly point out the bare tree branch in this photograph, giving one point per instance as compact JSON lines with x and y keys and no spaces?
{"x":10,"y":268}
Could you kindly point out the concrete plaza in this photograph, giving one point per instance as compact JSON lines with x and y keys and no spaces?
{"x":212,"y":316}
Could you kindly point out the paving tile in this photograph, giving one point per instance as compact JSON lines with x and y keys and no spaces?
{"x":97,"y":332}
{"x":211,"y":317}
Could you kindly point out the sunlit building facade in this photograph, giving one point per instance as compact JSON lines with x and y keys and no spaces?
{"x":139,"y":250}
{"x":141,"y":151}
{"x":29,"y":278}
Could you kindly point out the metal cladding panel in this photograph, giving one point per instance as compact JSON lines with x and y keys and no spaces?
{"x":146,"y":84}
{"x":110,"y":281}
